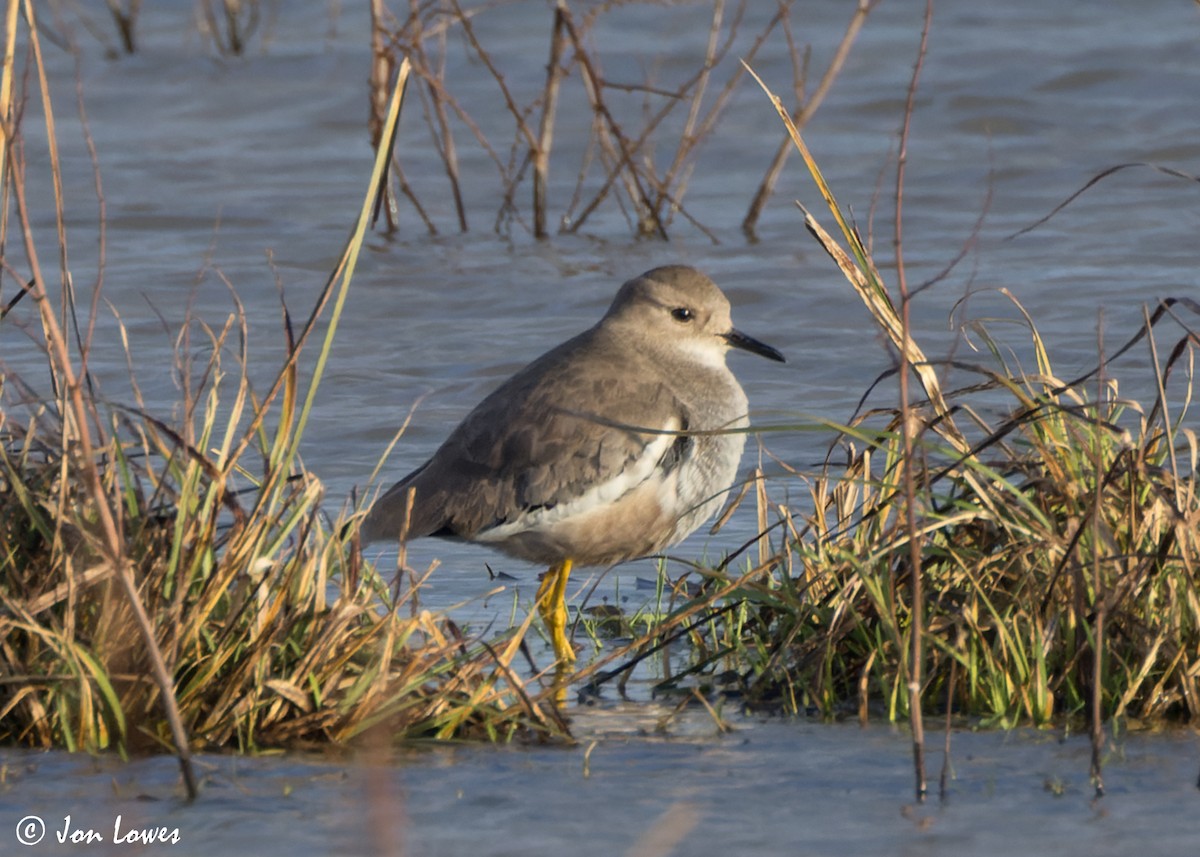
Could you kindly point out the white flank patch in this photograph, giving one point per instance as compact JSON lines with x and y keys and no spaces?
{"x":638,"y":471}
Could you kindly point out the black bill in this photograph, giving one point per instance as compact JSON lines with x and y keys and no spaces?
{"x":748,"y":343}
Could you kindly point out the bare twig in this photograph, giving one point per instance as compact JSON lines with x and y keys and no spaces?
{"x":944,"y":777}
{"x":1096,"y":712}
{"x":649,"y":220}
{"x":383,"y":66}
{"x":804,"y":112}
{"x":434,"y":80}
{"x":541,"y":151}
{"x":71,"y":385}
{"x":1096,"y":179}
{"x":126,"y":21}
{"x":910,"y":431}
{"x":236,"y":23}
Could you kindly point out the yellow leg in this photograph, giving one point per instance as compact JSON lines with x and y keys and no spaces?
{"x":552,"y":605}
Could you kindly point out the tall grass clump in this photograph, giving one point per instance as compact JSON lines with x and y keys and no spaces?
{"x":1052,"y":523}
{"x":174,"y":582}
{"x":1075,"y":506}
{"x":1058,"y":542}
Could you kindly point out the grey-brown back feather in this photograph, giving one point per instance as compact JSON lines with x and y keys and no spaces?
{"x":533,"y":443}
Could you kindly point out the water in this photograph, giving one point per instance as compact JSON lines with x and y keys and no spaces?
{"x":250,"y":170}
{"x":767,"y":788}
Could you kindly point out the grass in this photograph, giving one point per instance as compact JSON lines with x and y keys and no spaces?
{"x":1057,"y":543}
{"x":179,"y":583}
{"x":1055,"y":516}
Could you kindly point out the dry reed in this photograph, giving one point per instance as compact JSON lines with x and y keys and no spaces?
{"x":1050,"y":571}
{"x":175,"y":582}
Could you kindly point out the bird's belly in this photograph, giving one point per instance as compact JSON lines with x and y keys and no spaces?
{"x":634,"y":525}
{"x":654,"y":515}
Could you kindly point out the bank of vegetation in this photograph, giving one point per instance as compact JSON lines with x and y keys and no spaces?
{"x":1020,"y":547}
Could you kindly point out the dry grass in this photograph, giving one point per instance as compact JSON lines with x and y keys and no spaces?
{"x":178,"y":583}
{"x":1058,"y":545}
{"x":175,"y":582}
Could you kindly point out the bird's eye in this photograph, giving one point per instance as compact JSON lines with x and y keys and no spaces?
{"x":681,"y":314}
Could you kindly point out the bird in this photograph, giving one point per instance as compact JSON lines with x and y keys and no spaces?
{"x":614,"y":445}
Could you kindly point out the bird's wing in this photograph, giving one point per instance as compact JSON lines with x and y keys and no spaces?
{"x":540,"y":441}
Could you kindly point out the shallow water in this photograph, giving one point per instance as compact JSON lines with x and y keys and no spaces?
{"x":210,"y":165}
{"x":766,"y":788}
